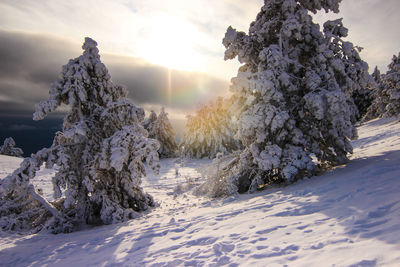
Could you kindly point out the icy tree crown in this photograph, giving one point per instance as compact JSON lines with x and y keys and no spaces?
{"x":315,"y":5}
{"x":294,"y":94}
{"x":84,"y":84}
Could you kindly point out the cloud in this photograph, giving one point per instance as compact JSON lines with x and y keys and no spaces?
{"x":133,"y":27}
{"x":152,"y":29}
{"x":152,"y":84}
{"x":28,"y":134}
{"x":28,"y":69}
{"x":28,"y":64}
{"x":21,"y":127}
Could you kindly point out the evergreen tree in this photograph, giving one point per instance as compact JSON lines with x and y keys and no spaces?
{"x":164,"y":133}
{"x":149,"y":124}
{"x":377,"y":75}
{"x":387,"y":97}
{"x":8,"y":148}
{"x":100,"y":154}
{"x":210,"y":131}
{"x":295,"y":92}
{"x":370,"y":111}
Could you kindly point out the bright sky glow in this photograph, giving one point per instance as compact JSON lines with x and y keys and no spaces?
{"x":185,"y":34}
{"x":171,"y":42}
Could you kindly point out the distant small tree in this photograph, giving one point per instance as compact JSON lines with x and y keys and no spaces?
{"x":377,"y":75}
{"x":8,"y":148}
{"x":295,"y":92}
{"x":387,"y":96}
{"x":100,"y":154}
{"x":210,"y":131}
{"x":161,"y":130}
{"x":149,"y":124}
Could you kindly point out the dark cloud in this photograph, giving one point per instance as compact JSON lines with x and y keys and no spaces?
{"x":11,"y":108}
{"x":33,"y":56}
{"x":29,"y":63}
{"x":156,"y":85}
{"x":146,"y":83}
{"x":29,"y":135}
{"x":21,"y":127}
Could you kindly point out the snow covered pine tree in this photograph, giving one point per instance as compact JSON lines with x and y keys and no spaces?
{"x":149,"y":123}
{"x":165,"y":135}
{"x":296,"y":86}
{"x":8,"y":148}
{"x":160,"y":128}
{"x":387,"y":97}
{"x":210,"y":131}
{"x":377,"y":75}
{"x":100,"y":155}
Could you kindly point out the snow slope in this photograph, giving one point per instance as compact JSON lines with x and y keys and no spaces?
{"x":349,"y":216}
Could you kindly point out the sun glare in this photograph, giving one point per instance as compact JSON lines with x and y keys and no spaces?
{"x":171,"y":42}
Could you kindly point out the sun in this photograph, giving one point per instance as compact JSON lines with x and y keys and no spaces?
{"x":171,"y":42}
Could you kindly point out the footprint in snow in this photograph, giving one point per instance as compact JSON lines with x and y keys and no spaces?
{"x":365,"y":263}
{"x":269,"y":230}
{"x":222,"y":248}
{"x":258,"y":240}
{"x":276,"y":251}
{"x":303,"y":227}
{"x":227,"y":215}
{"x":234,"y":236}
{"x":201,"y":241}
{"x":318,"y":246}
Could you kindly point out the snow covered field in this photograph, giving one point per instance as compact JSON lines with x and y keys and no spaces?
{"x":349,"y":216}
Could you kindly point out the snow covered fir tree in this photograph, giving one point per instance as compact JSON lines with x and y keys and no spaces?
{"x":8,"y":148}
{"x":99,"y":154}
{"x":377,"y":75}
{"x":210,"y":131}
{"x":160,"y":128}
{"x":149,"y":123}
{"x":295,"y":91}
{"x":387,"y":97}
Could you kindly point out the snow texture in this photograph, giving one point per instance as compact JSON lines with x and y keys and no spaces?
{"x":99,"y":154}
{"x":346,"y":217}
{"x":295,"y":91}
{"x":8,"y":148}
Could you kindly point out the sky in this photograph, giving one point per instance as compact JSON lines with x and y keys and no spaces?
{"x":168,"y":53}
